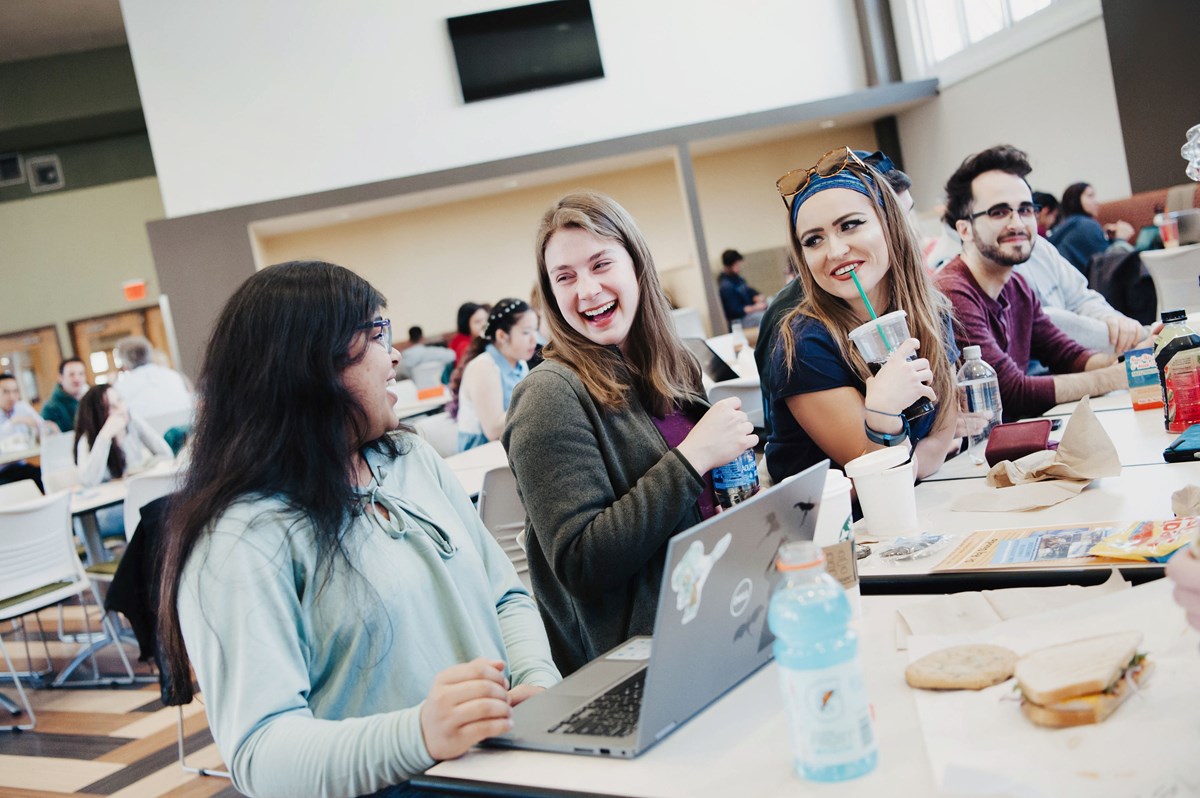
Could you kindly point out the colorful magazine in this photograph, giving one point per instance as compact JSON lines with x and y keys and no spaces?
{"x":1060,"y":546}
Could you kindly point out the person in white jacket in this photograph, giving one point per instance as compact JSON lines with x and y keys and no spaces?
{"x":110,"y":441}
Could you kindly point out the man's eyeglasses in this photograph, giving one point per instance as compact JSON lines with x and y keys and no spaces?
{"x":827,"y":165}
{"x":385,"y":326}
{"x":1003,"y":212}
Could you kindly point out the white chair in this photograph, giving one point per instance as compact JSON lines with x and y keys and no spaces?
{"x":144,"y":488}
{"x":428,"y":375}
{"x":165,"y":421}
{"x":440,"y":431}
{"x":688,"y":323}
{"x":58,"y":462}
{"x":38,"y":569}
{"x":19,"y":492}
{"x":1175,"y":273}
{"x":502,"y":513}
{"x":745,"y":388}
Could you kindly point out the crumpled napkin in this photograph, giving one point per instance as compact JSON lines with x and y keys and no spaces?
{"x":1045,"y":478}
{"x":1186,"y":501}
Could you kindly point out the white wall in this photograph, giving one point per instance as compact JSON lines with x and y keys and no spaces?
{"x":65,"y":254}
{"x":252,"y":101}
{"x":1057,"y":102}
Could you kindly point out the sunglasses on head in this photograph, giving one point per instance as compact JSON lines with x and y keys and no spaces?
{"x":827,"y":165}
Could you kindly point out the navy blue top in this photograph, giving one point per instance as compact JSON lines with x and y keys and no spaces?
{"x":817,"y":366}
{"x":1078,"y":238}
{"x":736,"y":294}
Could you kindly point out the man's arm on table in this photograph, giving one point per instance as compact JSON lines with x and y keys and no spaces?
{"x":1101,"y":375}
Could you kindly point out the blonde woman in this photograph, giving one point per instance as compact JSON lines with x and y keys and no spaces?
{"x":610,"y":438}
{"x":844,"y":222}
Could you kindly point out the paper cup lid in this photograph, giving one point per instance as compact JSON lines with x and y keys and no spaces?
{"x":835,"y":480}
{"x":876,"y":461}
{"x":869,"y":327}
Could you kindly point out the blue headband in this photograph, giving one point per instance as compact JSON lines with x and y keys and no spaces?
{"x":817,"y":184}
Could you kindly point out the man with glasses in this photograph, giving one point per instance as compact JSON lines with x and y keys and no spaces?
{"x":993,"y":211}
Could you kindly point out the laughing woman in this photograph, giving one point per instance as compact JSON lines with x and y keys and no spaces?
{"x":349,"y":618}
{"x":611,"y":439}
{"x":843,"y":218}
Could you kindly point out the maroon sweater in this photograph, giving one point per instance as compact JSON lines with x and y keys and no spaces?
{"x":1009,"y":330}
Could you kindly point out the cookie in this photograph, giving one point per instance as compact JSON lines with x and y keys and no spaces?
{"x":969,"y":667}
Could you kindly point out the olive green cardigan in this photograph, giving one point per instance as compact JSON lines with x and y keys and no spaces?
{"x":603,"y":494}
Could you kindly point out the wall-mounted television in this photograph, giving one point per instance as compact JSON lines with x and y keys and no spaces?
{"x":520,"y":49}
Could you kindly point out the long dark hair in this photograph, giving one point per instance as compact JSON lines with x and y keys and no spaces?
{"x":1072,"y":204}
{"x":465,"y":311}
{"x":89,"y":418}
{"x":275,"y":419}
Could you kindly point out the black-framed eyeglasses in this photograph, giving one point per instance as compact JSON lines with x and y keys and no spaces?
{"x":1003,"y":212}
{"x":827,"y":165}
{"x":385,"y":335}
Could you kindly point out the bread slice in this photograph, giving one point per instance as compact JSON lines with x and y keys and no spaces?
{"x":1056,"y":673}
{"x":1091,"y":708}
{"x":968,"y":667}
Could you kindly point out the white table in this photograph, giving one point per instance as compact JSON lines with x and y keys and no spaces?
{"x":1115,"y":400}
{"x":471,"y":465}
{"x":19,"y":455}
{"x":420,"y":407}
{"x":84,"y":504}
{"x":1139,"y":438}
{"x":739,"y":745}
{"x":1139,"y":493}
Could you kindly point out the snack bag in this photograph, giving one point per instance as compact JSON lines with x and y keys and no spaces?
{"x":1152,"y":541}
{"x":1141,"y":371}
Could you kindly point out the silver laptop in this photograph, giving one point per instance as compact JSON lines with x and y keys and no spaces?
{"x":710,"y":633}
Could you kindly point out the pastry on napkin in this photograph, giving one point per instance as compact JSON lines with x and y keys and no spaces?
{"x":1045,"y":478}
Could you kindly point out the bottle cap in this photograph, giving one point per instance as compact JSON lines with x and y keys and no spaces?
{"x":1170,"y":316}
{"x":972,"y":353}
{"x":799,"y":555}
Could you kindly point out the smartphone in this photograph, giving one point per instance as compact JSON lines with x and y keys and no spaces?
{"x":1185,"y":448}
{"x":1055,"y":424}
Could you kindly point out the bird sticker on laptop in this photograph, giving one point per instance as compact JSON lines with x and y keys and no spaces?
{"x":687,"y":580}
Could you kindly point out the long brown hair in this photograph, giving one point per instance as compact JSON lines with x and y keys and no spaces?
{"x":910,"y":288}
{"x":656,"y":361}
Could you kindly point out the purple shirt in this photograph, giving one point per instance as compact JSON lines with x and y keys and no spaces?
{"x":674,"y":428}
{"x":1009,"y":330}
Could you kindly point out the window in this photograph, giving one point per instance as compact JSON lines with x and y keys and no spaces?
{"x":954,"y":39}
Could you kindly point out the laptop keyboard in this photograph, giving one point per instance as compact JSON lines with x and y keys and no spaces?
{"x":611,"y":714}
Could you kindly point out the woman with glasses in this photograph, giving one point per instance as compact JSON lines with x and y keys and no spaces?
{"x":496,"y":362}
{"x":1079,"y":236}
{"x":349,"y":618}
{"x":610,"y":438}
{"x":847,"y":230}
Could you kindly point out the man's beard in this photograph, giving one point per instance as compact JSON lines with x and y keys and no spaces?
{"x":994,"y":253}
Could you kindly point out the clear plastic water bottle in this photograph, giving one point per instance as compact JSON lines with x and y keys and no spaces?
{"x":737,"y":480}
{"x":829,"y":716}
{"x":978,"y":395}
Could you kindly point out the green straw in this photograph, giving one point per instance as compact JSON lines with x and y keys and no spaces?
{"x":886,"y":341}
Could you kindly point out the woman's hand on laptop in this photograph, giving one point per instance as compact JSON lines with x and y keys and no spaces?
{"x":466,"y":704}
{"x":523,"y":691}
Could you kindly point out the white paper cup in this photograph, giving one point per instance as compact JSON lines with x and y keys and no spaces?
{"x":834,"y":520}
{"x":888,"y":498}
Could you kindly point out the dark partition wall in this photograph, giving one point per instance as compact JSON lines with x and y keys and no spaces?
{"x":1155,"y":56}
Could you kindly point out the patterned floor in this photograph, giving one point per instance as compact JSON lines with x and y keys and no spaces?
{"x":118,"y":741}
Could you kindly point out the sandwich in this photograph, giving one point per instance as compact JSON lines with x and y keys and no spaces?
{"x":1073,"y":684}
